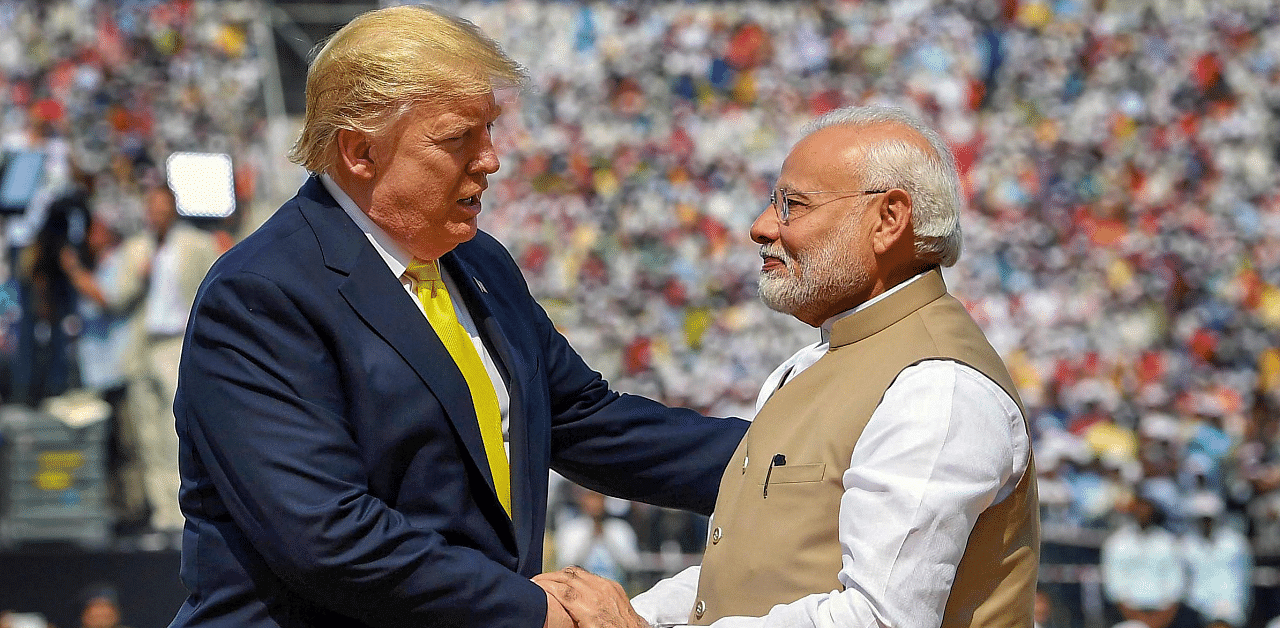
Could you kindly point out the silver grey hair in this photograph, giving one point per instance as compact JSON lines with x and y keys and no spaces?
{"x":932,"y":180}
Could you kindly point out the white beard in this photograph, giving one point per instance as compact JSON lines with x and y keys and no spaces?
{"x":817,"y":279}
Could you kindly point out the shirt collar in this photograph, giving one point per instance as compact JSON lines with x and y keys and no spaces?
{"x":395,"y":256}
{"x":825,"y":329}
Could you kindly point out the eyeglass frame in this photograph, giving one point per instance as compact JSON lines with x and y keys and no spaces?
{"x":783,"y":210}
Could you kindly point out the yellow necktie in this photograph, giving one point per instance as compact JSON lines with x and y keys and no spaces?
{"x":444,"y":320}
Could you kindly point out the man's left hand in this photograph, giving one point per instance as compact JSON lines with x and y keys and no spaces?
{"x":592,"y":601}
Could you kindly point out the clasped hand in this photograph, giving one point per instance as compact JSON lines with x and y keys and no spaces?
{"x":577,"y":597}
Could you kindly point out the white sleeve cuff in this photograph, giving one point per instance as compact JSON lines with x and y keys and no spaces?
{"x":670,"y":600}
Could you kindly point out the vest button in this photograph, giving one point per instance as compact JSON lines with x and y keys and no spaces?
{"x":716,"y":535}
{"x":700,"y":609}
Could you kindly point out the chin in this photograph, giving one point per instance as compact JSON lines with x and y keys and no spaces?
{"x":778,"y":295}
{"x":464,"y":232}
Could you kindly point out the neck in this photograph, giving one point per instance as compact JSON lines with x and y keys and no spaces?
{"x":361,"y":195}
{"x":879,"y":285}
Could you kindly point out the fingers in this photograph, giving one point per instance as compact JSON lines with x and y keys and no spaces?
{"x":559,"y":584}
{"x":578,"y":577}
{"x":592,"y":601}
{"x":568,"y":573}
{"x":557,"y":616}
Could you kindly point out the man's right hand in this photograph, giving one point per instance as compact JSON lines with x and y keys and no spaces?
{"x":591,"y":601}
{"x":557,"y":617}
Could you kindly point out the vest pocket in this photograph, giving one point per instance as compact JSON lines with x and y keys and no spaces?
{"x":796,"y":473}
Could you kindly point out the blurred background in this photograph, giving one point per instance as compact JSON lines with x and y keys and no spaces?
{"x":1122,"y":252}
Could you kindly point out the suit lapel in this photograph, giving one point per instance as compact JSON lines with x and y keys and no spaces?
{"x":380,"y":300}
{"x":479,"y":304}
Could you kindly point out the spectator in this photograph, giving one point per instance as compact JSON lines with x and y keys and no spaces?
{"x":1047,"y":614}
{"x":602,"y":544}
{"x":101,"y":609}
{"x":1143,"y":569}
{"x":109,"y":347}
{"x":1220,"y":563}
{"x":11,"y":619}
{"x":44,"y":368}
{"x":183,"y":254}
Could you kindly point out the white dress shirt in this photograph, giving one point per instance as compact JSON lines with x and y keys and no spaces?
{"x":1220,"y":573}
{"x":1143,"y":569}
{"x":166,"y":307}
{"x":397,"y":259}
{"x":944,"y":444}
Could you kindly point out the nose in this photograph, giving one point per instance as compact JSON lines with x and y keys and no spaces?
{"x":766,"y":227}
{"x":486,"y":159}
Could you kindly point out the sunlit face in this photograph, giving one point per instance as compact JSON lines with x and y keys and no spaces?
{"x":100,"y":613}
{"x":430,"y":173}
{"x":161,"y":213}
{"x":99,"y":238}
{"x":817,"y":264}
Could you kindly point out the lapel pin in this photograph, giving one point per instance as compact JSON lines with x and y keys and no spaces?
{"x":480,"y":285}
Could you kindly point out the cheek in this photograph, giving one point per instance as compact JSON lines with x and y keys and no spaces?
{"x":416,"y":199}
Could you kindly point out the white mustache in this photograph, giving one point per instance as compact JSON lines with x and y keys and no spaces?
{"x":776,"y":251}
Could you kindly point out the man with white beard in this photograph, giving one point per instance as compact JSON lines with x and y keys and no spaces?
{"x":887,"y":479}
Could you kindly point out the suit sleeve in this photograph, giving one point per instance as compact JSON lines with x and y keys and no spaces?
{"x":261,"y":406}
{"x":629,"y":446}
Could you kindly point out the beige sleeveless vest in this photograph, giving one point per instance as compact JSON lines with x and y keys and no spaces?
{"x":778,"y":546}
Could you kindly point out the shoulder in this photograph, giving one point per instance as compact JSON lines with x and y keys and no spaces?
{"x":281,"y":243}
{"x":484,"y":248}
{"x":487,"y":258}
{"x":137,"y":249}
{"x":961,"y":382}
{"x":1122,"y":539}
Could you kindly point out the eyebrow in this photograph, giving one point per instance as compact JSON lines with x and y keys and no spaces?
{"x":790,"y":191}
{"x":462,"y":126}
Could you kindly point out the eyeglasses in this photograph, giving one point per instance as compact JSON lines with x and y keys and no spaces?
{"x":788,"y":208}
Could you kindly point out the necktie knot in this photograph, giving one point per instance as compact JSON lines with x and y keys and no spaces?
{"x":426,"y":274}
{"x":421,"y":270}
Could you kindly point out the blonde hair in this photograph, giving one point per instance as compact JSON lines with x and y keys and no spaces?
{"x":385,"y":62}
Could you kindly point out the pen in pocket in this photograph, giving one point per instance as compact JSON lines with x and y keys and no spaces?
{"x":778,"y":461}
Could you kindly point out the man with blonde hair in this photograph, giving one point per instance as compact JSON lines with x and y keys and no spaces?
{"x":370,"y":399}
{"x":887,"y":478}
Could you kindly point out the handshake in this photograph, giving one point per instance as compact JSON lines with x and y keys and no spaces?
{"x":578,"y":598}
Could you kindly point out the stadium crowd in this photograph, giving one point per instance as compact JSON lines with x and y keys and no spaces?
{"x":1122,"y":235}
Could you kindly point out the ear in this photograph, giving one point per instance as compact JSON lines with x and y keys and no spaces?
{"x":894,"y":226}
{"x":355,"y":154}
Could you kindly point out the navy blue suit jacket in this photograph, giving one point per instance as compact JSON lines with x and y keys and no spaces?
{"x":332,"y":470}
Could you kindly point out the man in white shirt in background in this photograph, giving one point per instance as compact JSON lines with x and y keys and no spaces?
{"x":603,"y":544}
{"x":183,"y":254}
{"x":887,"y":479}
{"x":1144,"y":572}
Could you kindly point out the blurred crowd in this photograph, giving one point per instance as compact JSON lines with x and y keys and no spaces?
{"x":101,"y":269}
{"x":1122,"y":234}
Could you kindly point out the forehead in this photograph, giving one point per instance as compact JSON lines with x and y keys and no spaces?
{"x":461,"y":113}
{"x":831,"y":157}
{"x":825,"y":159}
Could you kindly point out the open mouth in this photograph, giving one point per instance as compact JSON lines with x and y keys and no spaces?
{"x":470,"y":201}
